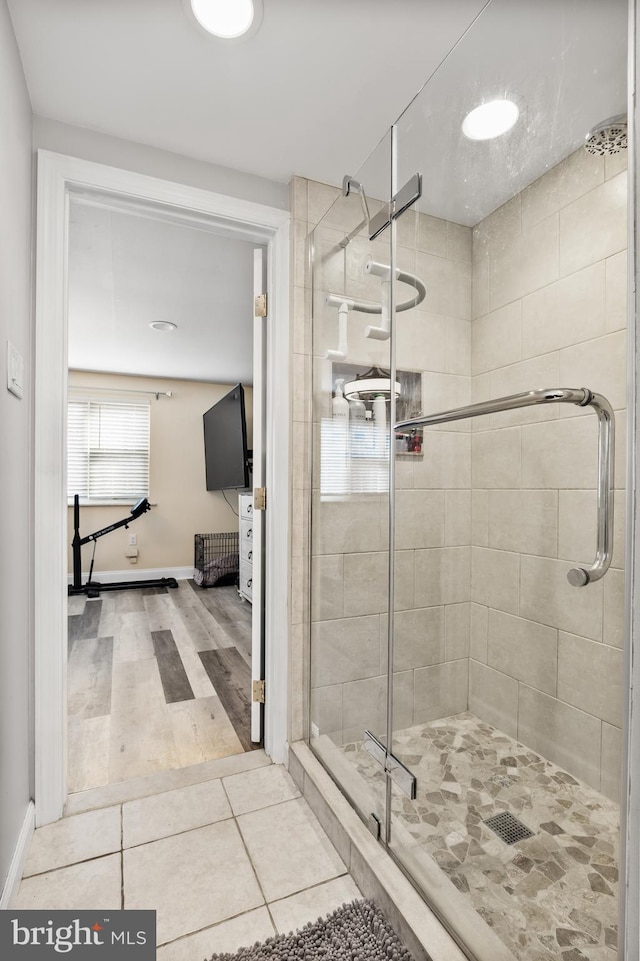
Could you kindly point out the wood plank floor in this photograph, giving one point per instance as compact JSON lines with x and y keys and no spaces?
{"x":157,"y":679}
{"x":231,"y":678}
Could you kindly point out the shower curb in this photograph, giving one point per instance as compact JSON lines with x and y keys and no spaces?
{"x":369,"y":864}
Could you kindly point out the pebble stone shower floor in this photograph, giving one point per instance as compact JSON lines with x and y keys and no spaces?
{"x":549,"y":896}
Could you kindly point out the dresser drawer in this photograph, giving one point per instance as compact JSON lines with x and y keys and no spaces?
{"x":245,"y":511}
{"x":246,"y":549}
{"x":246,"y":580}
{"x":246,"y":532}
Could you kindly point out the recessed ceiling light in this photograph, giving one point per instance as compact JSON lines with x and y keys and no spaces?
{"x":490,"y":120}
{"x":162,"y":325}
{"x":228,"y":19}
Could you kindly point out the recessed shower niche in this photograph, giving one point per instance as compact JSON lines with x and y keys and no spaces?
{"x":366,"y":382}
{"x":355,"y":440}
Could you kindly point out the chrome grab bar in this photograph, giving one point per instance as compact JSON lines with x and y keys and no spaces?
{"x":582,"y":397}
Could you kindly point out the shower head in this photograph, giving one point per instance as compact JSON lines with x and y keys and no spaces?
{"x":609,"y":137}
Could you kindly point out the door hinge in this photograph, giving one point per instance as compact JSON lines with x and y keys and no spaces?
{"x":258,"y":692}
{"x":259,"y":498}
{"x":400,"y":202}
{"x":396,"y":770}
{"x":260,"y":306}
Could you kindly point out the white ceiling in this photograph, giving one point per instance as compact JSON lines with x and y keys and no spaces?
{"x":312,"y":93}
{"x":127,"y":270}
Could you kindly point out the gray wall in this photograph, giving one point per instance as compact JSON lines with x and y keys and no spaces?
{"x":101,"y":148}
{"x":16,"y":436}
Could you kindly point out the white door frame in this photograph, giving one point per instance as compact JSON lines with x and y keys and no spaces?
{"x":58,"y":177}
{"x":260,"y":379}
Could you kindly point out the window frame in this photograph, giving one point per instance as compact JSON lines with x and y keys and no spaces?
{"x":88,"y":398}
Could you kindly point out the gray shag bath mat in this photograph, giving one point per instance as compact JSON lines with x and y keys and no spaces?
{"x":354,"y":932}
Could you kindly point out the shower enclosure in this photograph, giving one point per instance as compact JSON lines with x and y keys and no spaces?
{"x":468,"y":508}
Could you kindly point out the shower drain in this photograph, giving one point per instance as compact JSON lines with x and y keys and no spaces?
{"x":508,"y":827}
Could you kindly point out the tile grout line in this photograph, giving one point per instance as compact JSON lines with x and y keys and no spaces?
{"x":230,"y":817}
{"x":72,"y":864}
{"x":344,"y":873}
{"x":250,"y":859}
{"x":208,"y":927}
{"x":177,"y":834}
{"x":317,"y":884}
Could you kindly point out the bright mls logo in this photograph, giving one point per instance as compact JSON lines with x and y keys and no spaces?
{"x":36,"y":935}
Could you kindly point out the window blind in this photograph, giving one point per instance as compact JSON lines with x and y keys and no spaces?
{"x":108,"y":450}
{"x":354,"y":458}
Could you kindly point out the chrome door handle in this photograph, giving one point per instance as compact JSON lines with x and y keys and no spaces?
{"x":581,"y":576}
{"x":582,"y":397}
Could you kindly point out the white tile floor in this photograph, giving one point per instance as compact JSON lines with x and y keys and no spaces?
{"x":225,"y":862}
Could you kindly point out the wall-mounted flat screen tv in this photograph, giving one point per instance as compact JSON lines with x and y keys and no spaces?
{"x":225,"y":443}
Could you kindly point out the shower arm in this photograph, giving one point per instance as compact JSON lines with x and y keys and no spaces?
{"x":582,"y":397}
{"x":349,"y":184}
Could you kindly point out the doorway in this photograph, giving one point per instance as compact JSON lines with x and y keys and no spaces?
{"x":160,"y":321}
{"x":62,"y":179}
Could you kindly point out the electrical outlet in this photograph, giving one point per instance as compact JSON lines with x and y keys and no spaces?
{"x":133,"y":540}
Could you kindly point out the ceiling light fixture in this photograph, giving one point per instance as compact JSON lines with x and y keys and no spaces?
{"x":227,"y":19}
{"x":490,"y":120}
{"x":162,"y":325}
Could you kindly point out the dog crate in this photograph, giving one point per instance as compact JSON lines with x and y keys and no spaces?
{"x":216,"y":559}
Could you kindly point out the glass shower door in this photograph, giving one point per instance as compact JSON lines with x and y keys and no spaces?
{"x":350,"y":481}
{"x":507,"y":680}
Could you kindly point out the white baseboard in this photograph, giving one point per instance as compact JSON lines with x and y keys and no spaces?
{"x":137,"y":574}
{"x":16,"y":867}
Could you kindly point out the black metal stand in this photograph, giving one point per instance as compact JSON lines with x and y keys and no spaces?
{"x":94,"y":588}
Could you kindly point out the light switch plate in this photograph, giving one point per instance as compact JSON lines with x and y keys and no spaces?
{"x":15,"y":370}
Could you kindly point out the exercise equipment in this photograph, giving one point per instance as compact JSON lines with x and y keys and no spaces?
{"x":93,"y":588}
